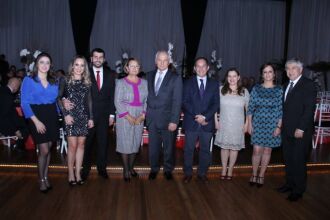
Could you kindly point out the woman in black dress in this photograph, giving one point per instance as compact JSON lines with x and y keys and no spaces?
{"x":38,"y":101}
{"x":76,"y":88}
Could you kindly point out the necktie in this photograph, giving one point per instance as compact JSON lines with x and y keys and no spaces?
{"x":201,"y":88}
{"x":98,"y":80}
{"x":159,"y":82}
{"x":290,"y":89}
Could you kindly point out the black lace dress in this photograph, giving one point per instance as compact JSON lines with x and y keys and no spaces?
{"x":80,"y":95}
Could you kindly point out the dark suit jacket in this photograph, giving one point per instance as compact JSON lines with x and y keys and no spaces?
{"x":103,"y":100}
{"x":298,"y":108}
{"x":164,"y":108}
{"x":193,"y":104}
{"x":9,"y":119}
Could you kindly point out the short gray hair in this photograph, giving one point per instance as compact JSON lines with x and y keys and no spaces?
{"x":294,"y":61}
{"x":161,"y":51}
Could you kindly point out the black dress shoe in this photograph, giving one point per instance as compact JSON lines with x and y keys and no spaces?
{"x":283,"y":189}
{"x":152,"y":175}
{"x":203,"y":178}
{"x":293,"y":197}
{"x":80,"y":182}
{"x":168,"y":175}
{"x":104,"y":174}
{"x":187,"y":179}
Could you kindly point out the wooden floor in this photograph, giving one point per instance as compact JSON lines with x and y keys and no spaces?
{"x":160,"y":199}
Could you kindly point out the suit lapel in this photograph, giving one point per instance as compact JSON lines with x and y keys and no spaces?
{"x":294,"y":89}
{"x":165,"y":80}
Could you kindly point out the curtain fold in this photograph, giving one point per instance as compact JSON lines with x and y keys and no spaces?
{"x":36,"y":25}
{"x":139,"y":28}
{"x":245,"y":33}
{"x":309,"y":38}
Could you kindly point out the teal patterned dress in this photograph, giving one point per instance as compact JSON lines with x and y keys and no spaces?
{"x":265,"y":106}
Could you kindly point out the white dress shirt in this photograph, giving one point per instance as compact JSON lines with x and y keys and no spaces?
{"x":158,"y":75}
{"x":199,"y":81}
{"x":294,"y":83}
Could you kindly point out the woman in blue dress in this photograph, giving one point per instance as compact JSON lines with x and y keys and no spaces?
{"x":265,"y":120}
{"x":38,"y":100}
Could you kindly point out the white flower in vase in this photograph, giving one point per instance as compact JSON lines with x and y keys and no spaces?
{"x":24,"y":52}
{"x":36,"y":53}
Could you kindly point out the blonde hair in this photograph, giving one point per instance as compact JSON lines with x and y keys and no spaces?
{"x":85,"y":76}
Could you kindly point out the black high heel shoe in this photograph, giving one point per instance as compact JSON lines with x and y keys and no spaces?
{"x":72,"y":182}
{"x":260,"y":181}
{"x":134,"y":173}
{"x":43,"y":187}
{"x":253,"y":180}
{"x":49,"y":186}
{"x":127,"y":176}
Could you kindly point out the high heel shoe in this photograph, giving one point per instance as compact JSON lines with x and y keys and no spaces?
{"x":127,"y":176}
{"x":80,"y":182}
{"x":223,"y":177}
{"x":72,"y":182}
{"x":49,"y":186}
{"x":134,"y":173}
{"x":260,"y":181}
{"x":43,"y":187}
{"x":253,"y":180}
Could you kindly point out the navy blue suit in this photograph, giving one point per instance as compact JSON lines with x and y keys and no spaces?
{"x":194,"y":104}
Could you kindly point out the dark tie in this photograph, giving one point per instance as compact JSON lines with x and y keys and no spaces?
{"x":98,"y":80}
{"x":201,"y":88}
{"x":290,"y":89}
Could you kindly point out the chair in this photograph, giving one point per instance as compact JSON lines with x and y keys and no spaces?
{"x":8,"y":138}
{"x":63,"y":143}
{"x":322,"y":119}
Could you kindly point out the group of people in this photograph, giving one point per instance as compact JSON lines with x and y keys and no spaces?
{"x":91,"y":100}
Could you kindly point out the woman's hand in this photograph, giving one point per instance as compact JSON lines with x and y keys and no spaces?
{"x":245,"y":127}
{"x":90,"y":123}
{"x":140,"y":119}
{"x":250,"y":129}
{"x":68,"y":120}
{"x":130,"y":119}
{"x":277,"y":132}
{"x":41,"y":128}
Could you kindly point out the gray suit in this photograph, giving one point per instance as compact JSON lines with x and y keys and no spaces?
{"x":162,"y":109}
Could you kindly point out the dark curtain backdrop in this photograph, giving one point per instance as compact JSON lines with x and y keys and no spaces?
{"x":309,"y":38}
{"x":36,"y":24}
{"x":139,"y":28}
{"x":245,"y":33}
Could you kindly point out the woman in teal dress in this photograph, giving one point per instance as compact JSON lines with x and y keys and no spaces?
{"x":265,"y":119}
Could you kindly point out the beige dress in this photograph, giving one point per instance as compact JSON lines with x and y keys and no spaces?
{"x":232,"y":117}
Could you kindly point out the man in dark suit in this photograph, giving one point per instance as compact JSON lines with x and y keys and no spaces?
{"x":11,"y":123}
{"x":103,"y":89}
{"x":297,"y":128}
{"x":200,"y":103}
{"x":163,"y":113}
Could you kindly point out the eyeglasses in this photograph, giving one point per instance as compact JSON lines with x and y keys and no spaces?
{"x":133,"y":66}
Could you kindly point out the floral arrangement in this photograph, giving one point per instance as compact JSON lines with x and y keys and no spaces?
{"x":215,"y":65}
{"x":119,"y":64}
{"x":28,"y":59}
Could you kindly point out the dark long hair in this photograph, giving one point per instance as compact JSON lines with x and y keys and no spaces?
{"x":226,"y":89}
{"x":50,"y":75}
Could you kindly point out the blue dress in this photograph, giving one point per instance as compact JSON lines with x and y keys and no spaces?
{"x":265,"y":106}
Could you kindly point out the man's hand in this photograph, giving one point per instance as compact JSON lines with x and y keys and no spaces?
{"x":172,"y":127}
{"x":200,"y":119}
{"x":111,"y":121}
{"x":298,"y":133}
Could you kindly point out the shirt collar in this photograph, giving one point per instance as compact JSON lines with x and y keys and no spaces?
{"x":296,"y":80}
{"x":164,"y":71}
{"x":98,"y":69}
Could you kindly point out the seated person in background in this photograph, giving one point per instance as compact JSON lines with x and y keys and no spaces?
{"x":11,"y":123}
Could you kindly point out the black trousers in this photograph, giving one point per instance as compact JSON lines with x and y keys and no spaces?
{"x":100,"y":133}
{"x":158,"y":139}
{"x":295,"y":152}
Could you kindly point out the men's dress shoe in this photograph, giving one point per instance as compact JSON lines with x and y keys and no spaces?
{"x":203,"y":178}
{"x":187,"y":179}
{"x":283,"y":189}
{"x":168,"y":175}
{"x":152,"y":175}
{"x":294,"y":197}
{"x":103,"y":174}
